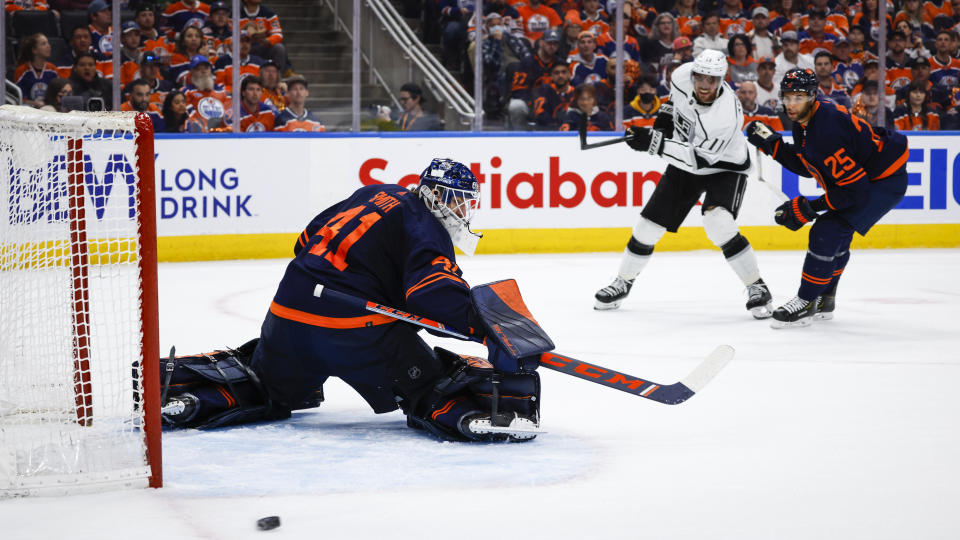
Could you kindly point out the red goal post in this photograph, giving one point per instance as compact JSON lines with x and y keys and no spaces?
{"x":79,"y":340}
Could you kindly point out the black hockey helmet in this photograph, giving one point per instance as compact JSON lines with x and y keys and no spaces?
{"x":799,"y":80}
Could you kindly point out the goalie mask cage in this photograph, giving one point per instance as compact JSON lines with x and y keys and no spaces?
{"x":79,"y":375}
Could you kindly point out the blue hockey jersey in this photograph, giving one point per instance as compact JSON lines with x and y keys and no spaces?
{"x":381,"y":244}
{"x":843,"y":152}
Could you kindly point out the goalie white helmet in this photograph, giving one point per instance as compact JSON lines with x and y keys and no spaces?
{"x":711,"y":62}
{"x":452,"y":194}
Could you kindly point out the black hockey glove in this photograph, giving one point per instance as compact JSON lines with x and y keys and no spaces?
{"x":795,"y":213}
{"x":761,"y":136}
{"x":644,"y":139}
{"x":664,"y":121}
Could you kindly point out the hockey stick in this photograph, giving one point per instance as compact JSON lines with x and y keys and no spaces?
{"x":776,"y":191}
{"x":584,"y":145}
{"x":670,"y":394}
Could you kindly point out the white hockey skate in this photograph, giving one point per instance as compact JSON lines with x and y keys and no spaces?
{"x":611,"y":296}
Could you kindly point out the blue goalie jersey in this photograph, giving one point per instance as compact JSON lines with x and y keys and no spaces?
{"x":381,"y":244}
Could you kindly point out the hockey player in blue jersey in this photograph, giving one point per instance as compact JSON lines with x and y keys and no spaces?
{"x":395,"y":247}
{"x":862,"y":171}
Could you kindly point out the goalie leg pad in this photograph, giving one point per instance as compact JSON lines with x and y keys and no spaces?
{"x":473,"y":389}
{"x":514,"y":337}
{"x":227,"y":390}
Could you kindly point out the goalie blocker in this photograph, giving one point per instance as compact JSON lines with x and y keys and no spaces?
{"x":455,"y":397}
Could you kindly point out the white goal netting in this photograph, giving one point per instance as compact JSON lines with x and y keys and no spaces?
{"x":71,"y":318}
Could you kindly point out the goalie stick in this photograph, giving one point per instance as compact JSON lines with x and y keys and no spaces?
{"x":670,"y":394}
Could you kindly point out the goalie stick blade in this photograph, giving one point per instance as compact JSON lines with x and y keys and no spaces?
{"x":669,"y":394}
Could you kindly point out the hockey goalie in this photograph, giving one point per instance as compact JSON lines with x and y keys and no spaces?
{"x":392,"y":246}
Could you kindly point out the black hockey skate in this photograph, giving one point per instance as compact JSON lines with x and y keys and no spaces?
{"x":516,"y":428}
{"x":796,"y":312}
{"x":825,"y":305}
{"x":759,"y":300}
{"x":179,"y":410}
{"x":611,"y":296}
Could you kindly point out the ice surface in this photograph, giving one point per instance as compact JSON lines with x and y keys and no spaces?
{"x":846,"y":429}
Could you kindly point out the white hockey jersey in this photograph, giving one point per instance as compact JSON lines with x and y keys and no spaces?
{"x":707,"y":139}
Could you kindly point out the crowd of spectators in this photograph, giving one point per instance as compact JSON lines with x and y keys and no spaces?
{"x":547,"y":60}
{"x":175,"y":64}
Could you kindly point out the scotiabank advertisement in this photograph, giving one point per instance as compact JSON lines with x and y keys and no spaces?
{"x":274,"y":184}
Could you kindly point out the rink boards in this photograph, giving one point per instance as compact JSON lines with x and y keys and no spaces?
{"x":247,"y":196}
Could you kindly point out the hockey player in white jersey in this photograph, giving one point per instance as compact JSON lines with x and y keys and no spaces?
{"x":699,"y":136}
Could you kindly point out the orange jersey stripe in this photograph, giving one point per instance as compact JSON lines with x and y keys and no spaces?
{"x":328,"y":322}
{"x":819,"y":281}
{"x":896,"y":165}
{"x":433,"y":278}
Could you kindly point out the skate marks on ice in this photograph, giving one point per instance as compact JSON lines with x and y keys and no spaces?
{"x":320,"y":452}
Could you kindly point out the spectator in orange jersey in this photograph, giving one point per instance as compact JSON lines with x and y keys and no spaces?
{"x":207,"y":103}
{"x":607,"y":43}
{"x":249,"y":64}
{"x":296,"y":117}
{"x":815,"y":38}
{"x":918,"y":114}
{"x":837,"y":22}
{"x":920,"y":74}
{"x":217,"y":29}
{"x":274,"y":90}
{"x":898,"y":69}
{"x":571,"y":31}
{"x":688,"y":19}
{"x":140,"y":102}
{"x":593,"y":18}
{"x":30,"y":5}
{"x":537,"y":19}
{"x":747,"y":94}
{"x":553,"y":98}
{"x":931,"y":9}
{"x":255,"y":115}
{"x":34,"y":72}
{"x":642,"y":110}
{"x":944,"y":67}
{"x":733,"y":20}
{"x":585,"y":104}
{"x":869,"y":19}
{"x":912,"y":12}
{"x":175,"y":112}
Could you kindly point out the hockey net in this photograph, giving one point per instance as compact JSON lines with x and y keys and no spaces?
{"x":78,"y":303}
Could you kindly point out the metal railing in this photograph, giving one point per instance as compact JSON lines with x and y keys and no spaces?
{"x":395,"y":55}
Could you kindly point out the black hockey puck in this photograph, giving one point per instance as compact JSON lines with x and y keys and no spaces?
{"x":269,"y":522}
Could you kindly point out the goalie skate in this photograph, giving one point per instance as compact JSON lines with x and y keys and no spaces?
{"x":611,"y":296}
{"x":479,"y":428}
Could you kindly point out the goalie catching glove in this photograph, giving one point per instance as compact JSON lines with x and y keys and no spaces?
{"x":644,"y":139}
{"x":764,"y":138}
